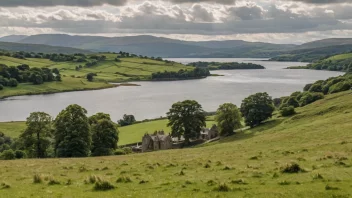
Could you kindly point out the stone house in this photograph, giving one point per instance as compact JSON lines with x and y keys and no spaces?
{"x":208,"y":134}
{"x":156,"y":141}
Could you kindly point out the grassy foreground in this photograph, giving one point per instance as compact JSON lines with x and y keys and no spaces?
{"x":318,"y":138}
{"x":128,"y":69}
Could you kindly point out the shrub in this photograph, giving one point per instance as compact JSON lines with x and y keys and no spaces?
{"x":341,"y":86}
{"x":292,"y":102}
{"x":318,"y":176}
{"x":287,"y":111}
{"x":119,"y":152}
{"x":8,"y":155}
{"x":12,"y":82}
{"x":284,"y":182}
{"x":123,"y":180}
{"x":1,"y":87}
{"x":5,"y":186}
{"x":103,"y":186}
{"x":127,"y":150}
{"x":92,"y":179}
{"x":222,"y":188}
{"x":307,"y":87}
{"x":37,"y":178}
{"x":52,"y":181}
{"x":239,"y":181}
{"x":316,"y":88}
{"x":328,"y":187}
{"x":292,"y":168}
{"x":308,"y":98}
{"x":20,"y":154}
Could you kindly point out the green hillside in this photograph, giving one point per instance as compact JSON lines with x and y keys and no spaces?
{"x":341,"y":62}
{"x":313,"y":54}
{"x":249,"y":164}
{"x":74,"y":72}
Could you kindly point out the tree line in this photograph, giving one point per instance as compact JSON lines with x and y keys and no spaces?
{"x":226,"y":66}
{"x":71,"y":134}
{"x":181,"y":74}
{"x":11,"y":76}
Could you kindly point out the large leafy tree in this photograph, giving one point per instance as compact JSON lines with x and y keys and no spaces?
{"x":127,"y":120}
{"x":228,"y":118}
{"x":257,"y":108}
{"x":186,"y":119}
{"x":104,"y":134}
{"x":72,"y":136}
{"x":37,"y":137}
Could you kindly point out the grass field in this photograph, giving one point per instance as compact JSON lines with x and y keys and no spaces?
{"x":128,"y":135}
{"x":249,"y":164}
{"x":107,"y":71}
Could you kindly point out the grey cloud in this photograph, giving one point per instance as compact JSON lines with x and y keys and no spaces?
{"x":323,"y":1}
{"x":246,"y":12}
{"x":49,"y":3}
{"x":201,"y":14}
{"x":225,"y":2}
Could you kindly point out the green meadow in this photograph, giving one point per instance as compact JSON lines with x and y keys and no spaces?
{"x":253,"y":163}
{"x":108,"y":71}
{"x":127,"y":135}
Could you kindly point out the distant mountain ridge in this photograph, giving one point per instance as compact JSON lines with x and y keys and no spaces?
{"x":39,"y":48}
{"x":165,"y":47}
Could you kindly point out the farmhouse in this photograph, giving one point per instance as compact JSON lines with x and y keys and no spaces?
{"x":157,"y":141}
{"x":208,"y":134}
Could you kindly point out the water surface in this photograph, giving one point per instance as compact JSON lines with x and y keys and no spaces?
{"x":154,"y":99}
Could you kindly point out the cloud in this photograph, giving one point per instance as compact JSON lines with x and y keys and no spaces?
{"x":50,"y":3}
{"x":207,"y":20}
{"x":201,"y":14}
{"x":225,"y":2}
{"x":324,"y":1}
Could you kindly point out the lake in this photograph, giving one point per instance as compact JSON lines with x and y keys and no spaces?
{"x":154,"y":99}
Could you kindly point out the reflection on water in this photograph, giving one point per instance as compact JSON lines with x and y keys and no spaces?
{"x":153,"y":99}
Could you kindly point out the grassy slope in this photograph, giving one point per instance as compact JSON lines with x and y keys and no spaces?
{"x":128,"y":134}
{"x":318,"y":138}
{"x":107,"y":71}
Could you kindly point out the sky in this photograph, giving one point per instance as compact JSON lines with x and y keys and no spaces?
{"x":274,"y":21}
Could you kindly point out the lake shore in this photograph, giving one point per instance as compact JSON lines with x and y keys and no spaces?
{"x":52,"y":88}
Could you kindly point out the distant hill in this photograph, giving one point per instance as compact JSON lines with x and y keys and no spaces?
{"x":163,"y":47}
{"x":7,"y":46}
{"x":313,"y":54}
{"x":12,"y":38}
{"x":326,"y":43}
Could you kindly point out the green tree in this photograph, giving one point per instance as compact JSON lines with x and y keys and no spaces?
{"x":104,"y":135}
{"x":228,"y":118}
{"x":186,"y":119}
{"x":72,"y":136}
{"x":99,"y":116}
{"x":257,"y":108}
{"x":127,"y":120}
{"x":38,"y":134}
{"x":8,"y":155}
{"x":90,"y":77}
{"x":13,"y":82}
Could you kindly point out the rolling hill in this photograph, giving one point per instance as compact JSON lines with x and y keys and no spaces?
{"x":313,"y":54}
{"x":253,"y":163}
{"x":165,"y":47}
{"x":74,"y":73}
{"x":39,"y":48}
{"x":158,"y":46}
